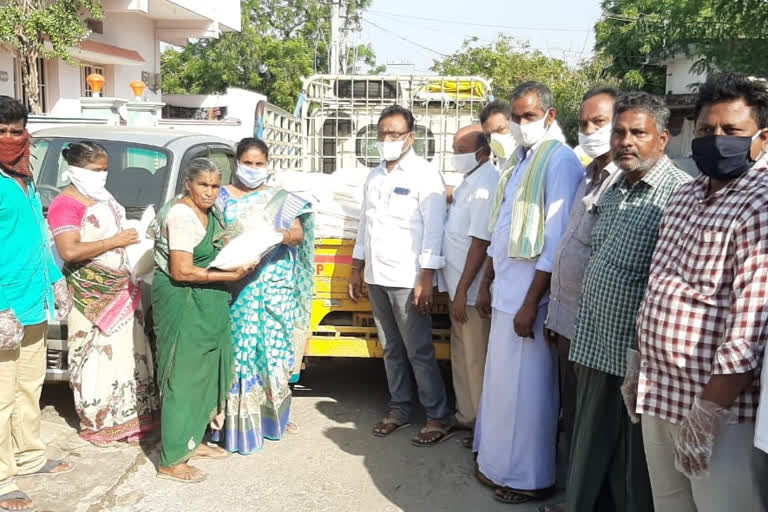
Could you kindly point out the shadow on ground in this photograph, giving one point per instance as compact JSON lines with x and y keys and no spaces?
{"x":411,"y":478}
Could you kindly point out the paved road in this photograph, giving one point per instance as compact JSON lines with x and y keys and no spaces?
{"x":333,"y":464}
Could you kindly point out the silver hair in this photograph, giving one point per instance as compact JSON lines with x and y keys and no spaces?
{"x":199,"y":166}
{"x":544,"y":93}
{"x":643,"y":102}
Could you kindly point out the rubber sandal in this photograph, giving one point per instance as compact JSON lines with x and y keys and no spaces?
{"x":389,"y":425}
{"x":223,"y":454}
{"x":484,"y":479}
{"x":519,"y":496}
{"x":17,"y":495}
{"x":202,"y":477}
{"x":445,"y":432}
{"x":468,"y":442}
{"x":48,"y":469}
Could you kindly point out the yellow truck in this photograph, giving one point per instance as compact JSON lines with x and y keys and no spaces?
{"x":343,"y":328}
{"x":338,"y":117}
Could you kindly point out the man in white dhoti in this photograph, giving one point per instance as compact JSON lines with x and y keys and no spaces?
{"x":516,"y":428}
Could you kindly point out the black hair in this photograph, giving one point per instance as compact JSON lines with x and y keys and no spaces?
{"x":83,"y":153}
{"x":398,"y":110}
{"x":735,"y":86}
{"x":544,"y":93}
{"x":597,"y":91}
{"x":12,"y":110}
{"x":251,"y":143}
{"x":645,"y":102}
{"x":495,"y":107}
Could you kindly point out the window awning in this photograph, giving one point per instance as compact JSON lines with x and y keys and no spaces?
{"x":102,"y":53}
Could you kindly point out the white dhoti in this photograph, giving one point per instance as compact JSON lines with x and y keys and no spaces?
{"x":516,"y":430}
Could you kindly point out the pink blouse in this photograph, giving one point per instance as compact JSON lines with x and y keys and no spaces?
{"x":65,"y":214}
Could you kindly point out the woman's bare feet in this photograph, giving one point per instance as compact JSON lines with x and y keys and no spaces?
{"x":181,"y":473}
{"x":292,"y":428}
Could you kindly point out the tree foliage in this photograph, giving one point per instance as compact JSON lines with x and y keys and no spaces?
{"x":638,"y":35}
{"x":44,"y":28}
{"x":509,"y":62}
{"x":281,"y":41}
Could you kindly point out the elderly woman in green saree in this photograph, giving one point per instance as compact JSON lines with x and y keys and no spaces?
{"x":192,"y":324}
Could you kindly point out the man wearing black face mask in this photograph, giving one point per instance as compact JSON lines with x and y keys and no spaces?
{"x":701,"y":327}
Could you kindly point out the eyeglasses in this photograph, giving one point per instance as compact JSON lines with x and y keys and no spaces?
{"x":390,"y":136}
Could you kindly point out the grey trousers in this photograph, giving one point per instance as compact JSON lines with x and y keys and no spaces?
{"x":409,"y":357}
{"x":735,"y":481}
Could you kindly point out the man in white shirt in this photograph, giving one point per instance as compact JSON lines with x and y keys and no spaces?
{"x":517,"y":422}
{"x":397,"y":253}
{"x":465,"y":242}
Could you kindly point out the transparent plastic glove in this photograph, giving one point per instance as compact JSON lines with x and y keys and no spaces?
{"x":63,"y":299}
{"x":696,"y":437}
{"x":11,"y":330}
{"x":631,"y":381}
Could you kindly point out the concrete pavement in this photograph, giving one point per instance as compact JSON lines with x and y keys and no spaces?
{"x":333,"y":464}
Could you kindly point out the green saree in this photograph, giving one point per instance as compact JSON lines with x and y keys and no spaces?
{"x":194,"y":352}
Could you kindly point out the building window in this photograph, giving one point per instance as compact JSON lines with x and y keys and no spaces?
{"x":42,"y":81}
{"x":85,"y":70}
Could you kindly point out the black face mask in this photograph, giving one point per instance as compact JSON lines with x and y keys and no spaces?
{"x":723,"y":157}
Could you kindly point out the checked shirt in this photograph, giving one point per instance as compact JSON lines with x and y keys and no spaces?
{"x":706,"y":306}
{"x":623,"y":240}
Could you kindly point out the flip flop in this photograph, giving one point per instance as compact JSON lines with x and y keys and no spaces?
{"x":445,"y":432}
{"x":223,"y":454}
{"x":172,"y":478}
{"x":484,"y":479}
{"x":48,"y":469}
{"x":388,"y":426}
{"x":17,"y":495}
{"x":519,"y":496}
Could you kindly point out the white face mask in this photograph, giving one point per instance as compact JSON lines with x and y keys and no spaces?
{"x":530,"y":134}
{"x":503,"y":145}
{"x":598,"y":143}
{"x":464,"y":162}
{"x":251,"y":177}
{"x":391,"y":150}
{"x":89,"y":183}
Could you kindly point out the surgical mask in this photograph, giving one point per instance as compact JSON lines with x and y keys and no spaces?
{"x":390,"y":151}
{"x":530,"y":134}
{"x":88,"y":182}
{"x":251,"y":177}
{"x":598,"y":143}
{"x":465,"y":162}
{"x":503,"y":145}
{"x":723,"y":157}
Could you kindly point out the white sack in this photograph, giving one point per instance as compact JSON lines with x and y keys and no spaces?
{"x":140,"y":255}
{"x":248,"y":248}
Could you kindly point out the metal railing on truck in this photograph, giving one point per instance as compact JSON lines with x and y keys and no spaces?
{"x":339,"y":114}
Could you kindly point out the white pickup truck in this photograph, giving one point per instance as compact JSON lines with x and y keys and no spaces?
{"x":144,"y":169}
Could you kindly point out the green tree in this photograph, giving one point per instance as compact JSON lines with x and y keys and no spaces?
{"x":718,"y":34}
{"x":281,"y":41}
{"x":47,"y":29}
{"x":510,"y":62}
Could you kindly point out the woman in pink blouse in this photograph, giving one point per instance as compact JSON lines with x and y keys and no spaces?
{"x":110,"y":362}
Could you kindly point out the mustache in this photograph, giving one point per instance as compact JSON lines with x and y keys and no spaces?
{"x":623,"y":152}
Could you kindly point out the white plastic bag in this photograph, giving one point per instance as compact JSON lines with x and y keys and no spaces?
{"x":140,"y":256}
{"x":247,"y":248}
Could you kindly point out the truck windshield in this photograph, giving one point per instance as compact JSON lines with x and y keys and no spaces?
{"x":138,"y":173}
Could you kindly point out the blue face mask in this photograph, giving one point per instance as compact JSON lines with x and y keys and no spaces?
{"x":723,"y":157}
{"x":251,"y":177}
